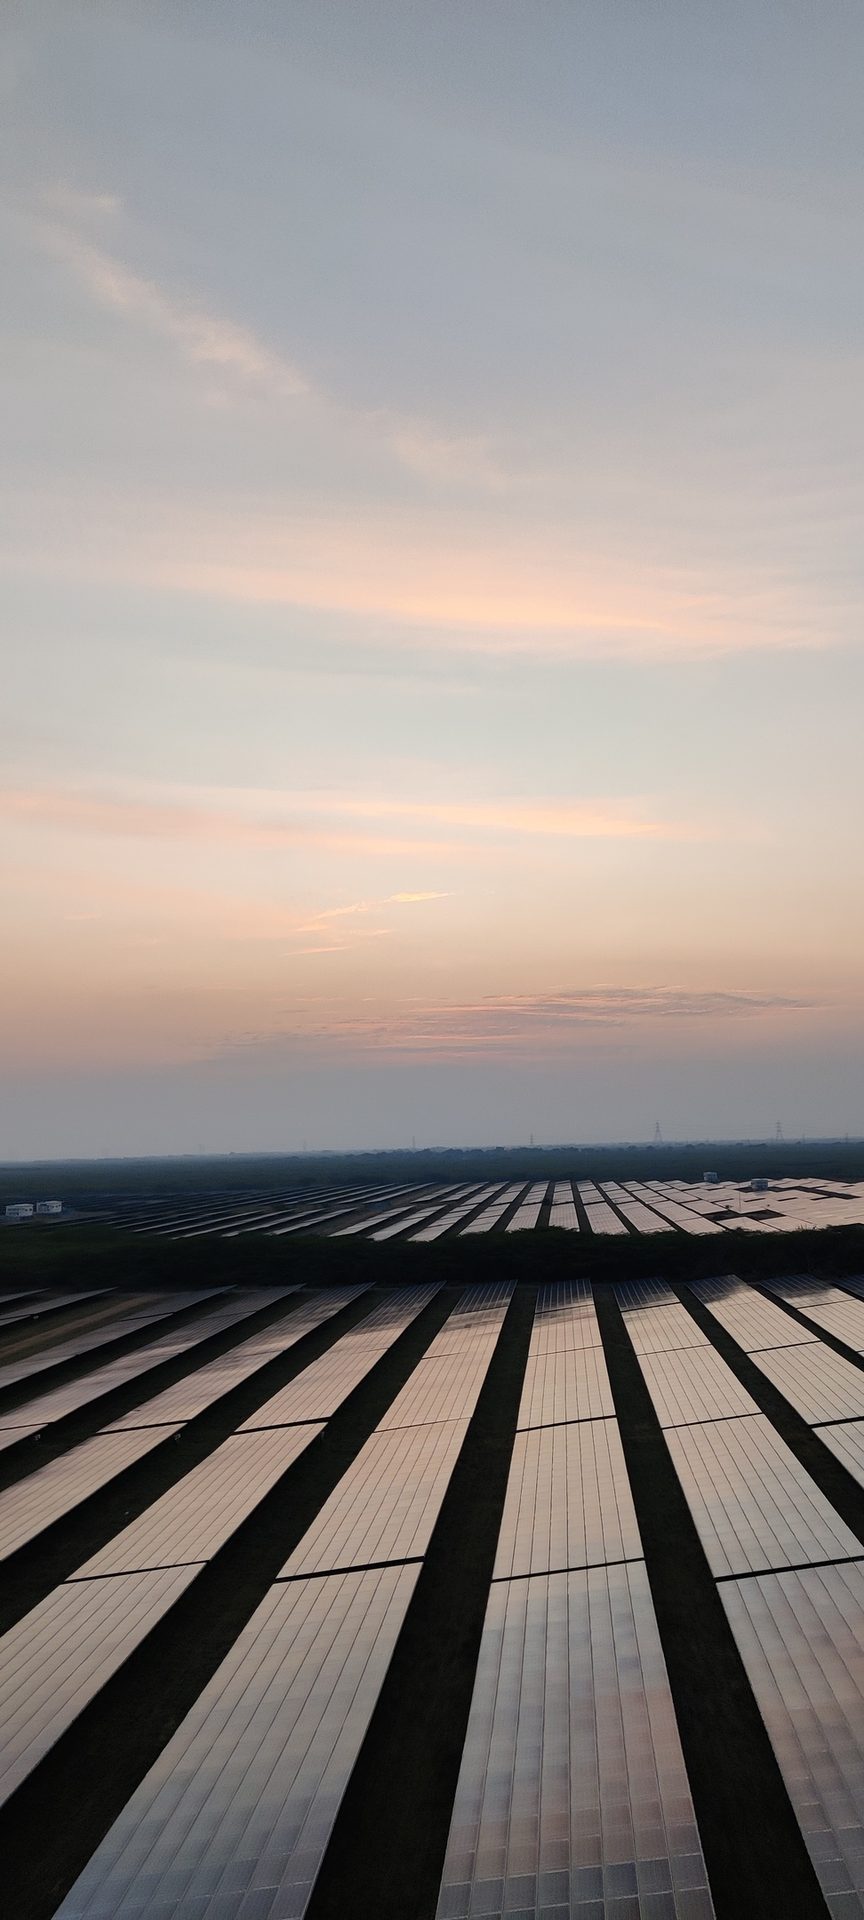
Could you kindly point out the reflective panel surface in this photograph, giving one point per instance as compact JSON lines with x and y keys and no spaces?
{"x":817,"y":1382}
{"x":322,"y":1386}
{"x":160,"y":1307}
{"x":753,"y":1504}
{"x":197,"y":1515}
{"x":190,"y":1396}
{"x":572,"y":1796}
{"x":234,"y":1817}
{"x":751,"y":1319}
{"x":662,"y":1329}
{"x":386,"y":1505}
{"x":44,"y":1496}
{"x":801,"y":1637}
{"x":55,"y":1659}
{"x":571,"y":1385}
{"x":847,"y":1442}
{"x":568,"y":1501}
{"x":644,"y":1293}
{"x":565,"y":1317}
{"x":115,"y":1373}
{"x":691,"y":1385}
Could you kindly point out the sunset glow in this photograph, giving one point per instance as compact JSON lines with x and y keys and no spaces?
{"x":431,"y":561}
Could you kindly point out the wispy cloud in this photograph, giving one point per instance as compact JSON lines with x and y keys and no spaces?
{"x":107,"y":816}
{"x":355,"y":909}
{"x":220,"y":344}
{"x":334,"y":819}
{"x":400,"y":579}
{"x":201,"y":337}
{"x":411,"y":899}
{"x":299,"y":953}
{"x":527,"y":1025}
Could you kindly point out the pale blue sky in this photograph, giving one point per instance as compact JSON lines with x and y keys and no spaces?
{"x":431,"y":565}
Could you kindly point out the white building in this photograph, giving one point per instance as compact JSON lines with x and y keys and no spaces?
{"x":19,"y":1210}
{"x":49,"y":1206}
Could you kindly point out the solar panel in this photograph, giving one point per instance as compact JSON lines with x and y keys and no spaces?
{"x":843,"y":1318}
{"x":801,"y":1290}
{"x":571,"y":1385}
{"x":568,"y":1501}
{"x":644,"y":1293}
{"x":601,"y":1218}
{"x":801,"y":1637}
{"x":662,"y":1329}
{"x":394,"y":1312}
{"x":53,"y":1490}
{"x":61,"y":1653}
{"x":847,"y":1442}
{"x":455,"y":1214}
{"x":445,"y":1384}
{"x":59,"y":1401}
{"x":672,"y":1210}
{"x":200,"y":1512}
{"x":754,"y":1505}
{"x":565,"y":1317}
{"x":562,"y":1213}
{"x":479,"y":1309}
{"x":321,"y":1387}
{"x":237,"y":1811}
{"x":643,"y":1218}
{"x":693,"y":1385}
{"x":163,"y":1305}
{"x":199,"y":1390}
{"x":491,"y":1215}
{"x":528,"y":1214}
{"x":386,"y":1504}
{"x":23,"y":1306}
{"x":817,"y":1382}
{"x":394,"y":1219}
{"x":751,"y":1319}
{"x":572,"y":1795}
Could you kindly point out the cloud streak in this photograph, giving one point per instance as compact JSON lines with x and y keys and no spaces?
{"x":532,"y":1025}
{"x":220,"y":345}
{"x":201,"y":337}
{"x":333,"y":819}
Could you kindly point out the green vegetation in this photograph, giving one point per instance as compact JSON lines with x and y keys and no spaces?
{"x":44,"y":1254}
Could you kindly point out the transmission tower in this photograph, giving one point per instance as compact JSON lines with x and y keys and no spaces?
{"x":658,"y":1137}
{"x":778,"y":1131}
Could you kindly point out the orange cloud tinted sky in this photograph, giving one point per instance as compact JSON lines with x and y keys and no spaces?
{"x":432,"y":574}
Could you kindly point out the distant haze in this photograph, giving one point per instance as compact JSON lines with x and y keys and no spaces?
{"x":432,"y":573}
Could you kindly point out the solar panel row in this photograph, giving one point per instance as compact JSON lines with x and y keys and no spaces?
{"x":649,"y":1207}
{"x":55,"y":1404}
{"x":243,"y":1798}
{"x":768,"y":1532}
{"x":572,"y":1795}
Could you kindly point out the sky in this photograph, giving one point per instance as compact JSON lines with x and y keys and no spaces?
{"x":432,"y":576}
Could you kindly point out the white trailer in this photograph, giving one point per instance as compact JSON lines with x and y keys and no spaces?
{"x":49,"y":1206}
{"x":19,"y":1210}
